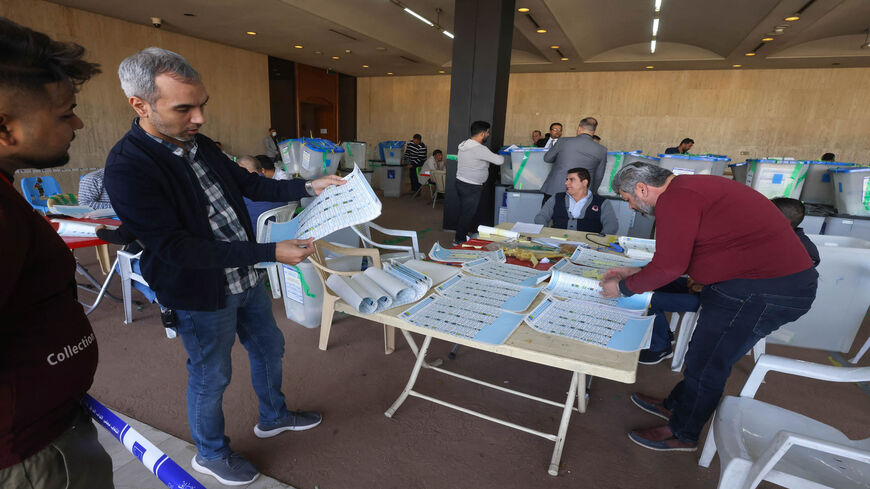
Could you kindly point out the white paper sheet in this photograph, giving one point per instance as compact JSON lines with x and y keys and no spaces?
{"x":504,"y":272}
{"x":527,"y":228}
{"x":565,"y":265}
{"x":292,"y":283}
{"x":592,"y":323}
{"x":77,"y":229}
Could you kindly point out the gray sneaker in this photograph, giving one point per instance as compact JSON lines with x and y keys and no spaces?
{"x":234,"y":470}
{"x":296,"y":421}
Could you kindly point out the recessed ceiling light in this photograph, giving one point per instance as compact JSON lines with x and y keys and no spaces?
{"x":380,"y":48}
{"x":736,"y":66}
{"x":658,"y":5}
{"x":564,"y":59}
{"x":448,"y":34}
{"x":336,"y":57}
{"x":766,"y":39}
{"x":655,"y":28}
{"x":347,"y":51}
{"x":541,"y":31}
{"x":523,"y":9}
{"x":251,"y":33}
{"x":389,"y":72}
{"x":365,"y":66}
{"x":420,"y":17}
{"x":190,"y":15}
{"x":440,"y":71}
{"x":554,"y":47}
{"x":652,"y":46}
{"x":318,"y":52}
{"x":298,"y":46}
{"x":792,"y":18}
{"x":649,"y":67}
{"x":750,"y":54}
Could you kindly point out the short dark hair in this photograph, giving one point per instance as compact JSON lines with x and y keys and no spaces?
{"x":555,"y":124}
{"x":536,"y":131}
{"x":266,"y":162}
{"x":30,"y":59}
{"x":589,"y":123}
{"x":416,"y":136}
{"x":793,"y":209}
{"x":582,"y":173}
{"x":829,"y":157}
{"x":436,"y":152}
{"x":687,"y":141}
{"x":478,"y":127}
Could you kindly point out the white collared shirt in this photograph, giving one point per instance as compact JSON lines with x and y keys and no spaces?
{"x":550,"y":143}
{"x":575,"y":207}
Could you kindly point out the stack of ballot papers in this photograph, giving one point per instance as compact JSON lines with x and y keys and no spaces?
{"x":598,"y":259}
{"x":445,"y":255}
{"x":505,"y":272}
{"x":638,"y":248}
{"x":83,"y":211}
{"x":607,"y":327}
{"x":376,"y":290}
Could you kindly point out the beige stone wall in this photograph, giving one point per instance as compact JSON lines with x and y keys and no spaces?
{"x":237,"y":80}
{"x":742,"y":114}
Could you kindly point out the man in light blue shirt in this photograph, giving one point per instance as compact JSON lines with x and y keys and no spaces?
{"x":577,"y":209}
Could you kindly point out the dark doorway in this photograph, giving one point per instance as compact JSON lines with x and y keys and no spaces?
{"x":282,"y":97}
{"x":317,"y":119}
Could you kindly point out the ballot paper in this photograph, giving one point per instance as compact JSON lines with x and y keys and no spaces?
{"x":514,"y":298}
{"x":445,"y":255}
{"x":565,"y":265}
{"x":376,"y":290}
{"x":83,"y":211}
{"x":568,"y":286}
{"x":607,"y":327}
{"x":336,"y":208}
{"x":77,"y":229}
{"x":504,"y":272}
{"x":598,"y":259}
{"x":463,"y":319}
{"x":496,"y":234}
{"x":436,"y":271}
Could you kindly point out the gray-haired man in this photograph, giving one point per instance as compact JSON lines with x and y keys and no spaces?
{"x":183,"y":198}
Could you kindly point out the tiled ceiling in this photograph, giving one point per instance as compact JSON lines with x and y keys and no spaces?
{"x":376,"y":37}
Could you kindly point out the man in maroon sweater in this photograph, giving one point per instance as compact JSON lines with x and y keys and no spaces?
{"x":758,"y":276}
{"x":48,"y":353}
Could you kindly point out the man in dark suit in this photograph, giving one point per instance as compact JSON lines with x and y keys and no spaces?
{"x":554,"y":134}
{"x":576,"y":152}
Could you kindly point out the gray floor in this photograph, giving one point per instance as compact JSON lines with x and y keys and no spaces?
{"x":129,"y":473}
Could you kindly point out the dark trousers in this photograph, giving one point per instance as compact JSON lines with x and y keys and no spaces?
{"x":469,"y":199}
{"x":412,"y":174}
{"x":735,"y":314}
{"x":673,"y":297}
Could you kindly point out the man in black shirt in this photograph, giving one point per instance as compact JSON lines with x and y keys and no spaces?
{"x":684,"y":147}
{"x":415,"y":156}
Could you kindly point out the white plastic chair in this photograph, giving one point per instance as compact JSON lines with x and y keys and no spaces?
{"x":687,"y":322}
{"x":757,"y":441}
{"x":406,"y":252}
{"x":440,"y":179}
{"x":861,"y":352}
{"x":125,"y":269}
{"x":278,"y":214}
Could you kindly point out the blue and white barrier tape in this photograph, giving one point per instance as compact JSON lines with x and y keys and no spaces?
{"x":155,"y":460}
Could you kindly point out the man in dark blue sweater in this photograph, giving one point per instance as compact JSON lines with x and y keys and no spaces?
{"x":183,"y":199}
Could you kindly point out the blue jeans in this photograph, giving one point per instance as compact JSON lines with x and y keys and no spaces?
{"x":673,"y":297}
{"x":735,"y":314}
{"x":208,"y":337}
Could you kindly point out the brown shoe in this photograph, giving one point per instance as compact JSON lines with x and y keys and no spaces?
{"x":661,"y":439}
{"x":652,"y":405}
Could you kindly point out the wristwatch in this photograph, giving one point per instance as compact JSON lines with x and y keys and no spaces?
{"x":309,"y":187}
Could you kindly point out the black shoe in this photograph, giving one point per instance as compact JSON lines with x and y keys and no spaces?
{"x":649,"y":357}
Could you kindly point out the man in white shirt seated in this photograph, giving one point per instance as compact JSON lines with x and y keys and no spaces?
{"x":472,"y":171}
{"x":435,"y":162}
{"x":578,"y":209}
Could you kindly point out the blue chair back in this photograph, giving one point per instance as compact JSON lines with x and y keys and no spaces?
{"x":37,"y":190}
